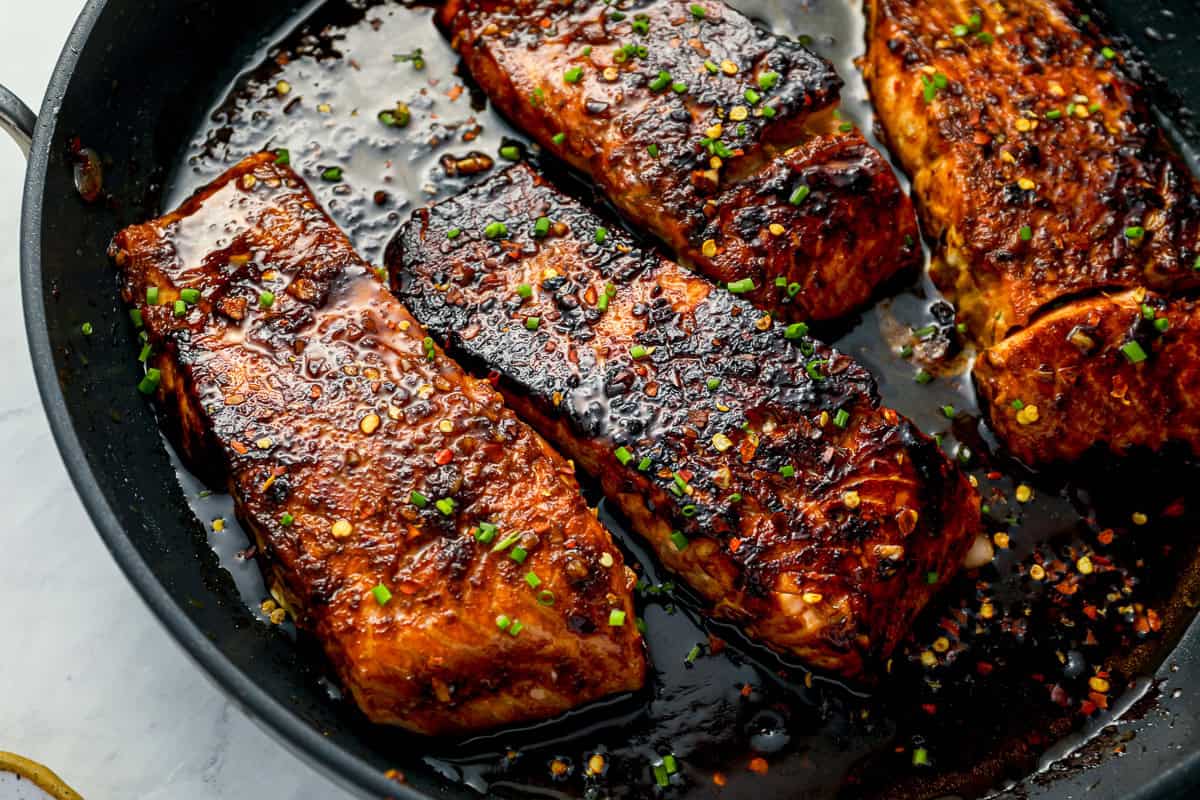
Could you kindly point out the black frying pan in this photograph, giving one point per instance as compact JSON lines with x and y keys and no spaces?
{"x":133,"y":80}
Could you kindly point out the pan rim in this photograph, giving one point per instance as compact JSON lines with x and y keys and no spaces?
{"x":298,"y":736}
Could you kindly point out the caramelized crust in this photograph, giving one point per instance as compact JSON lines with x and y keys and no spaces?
{"x":1035,"y":130}
{"x":668,"y":107}
{"x":1070,"y":370}
{"x":757,"y":462}
{"x":324,"y":409}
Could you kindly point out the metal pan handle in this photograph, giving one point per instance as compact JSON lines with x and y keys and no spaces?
{"x":17,"y":120}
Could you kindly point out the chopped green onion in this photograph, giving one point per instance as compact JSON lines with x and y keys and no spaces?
{"x":1026,"y":233}
{"x":679,"y":87}
{"x":660,"y":775}
{"x":1134,"y":352}
{"x":510,"y":152}
{"x":382,"y":595}
{"x":1018,"y":404}
{"x":796,"y":330}
{"x":799,"y":194}
{"x":920,"y":757}
{"x":679,"y":541}
{"x":814,"y":369}
{"x":495,"y":230}
{"x":532,"y":323}
{"x":135,"y":316}
{"x":419,"y":500}
{"x":711,"y":67}
{"x":525,"y":290}
{"x":1135,"y":232}
{"x":616,"y":618}
{"x":948,"y":411}
{"x":190,"y":296}
{"x":515,"y":628}
{"x":623,"y":455}
{"x":601,"y":234}
{"x":332,"y":174}
{"x":266,"y":299}
{"x":713,"y":384}
{"x":841,"y":417}
{"x":752,"y":97}
{"x":545,"y":597}
{"x":485,"y":532}
{"x":86,"y":329}
{"x":453,"y":233}
{"x":506,"y":542}
{"x":652,"y":149}
{"x":787,"y":471}
{"x":736,"y":497}
{"x":146,"y":350}
{"x":931,"y":578}
{"x":532,"y":579}
{"x":1147,"y":311}
{"x":740,"y":286}
{"x":637,"y":352}
{"x":769,"y":112}
{"x":502,"y":622}
{"x":698,"y":11}
{"x":1161,"y":324}
{"x":286,"y":519}
{"x":1108,"y":53}
{"x":283,"y":157}
{"x":152,"y":292}
{"x":180,"y":308}
{"x":446,"y":506}
{"x":518,"y":554}
{"x":558,"y":138}
{"x":959,"y":31}
{"x":923,"y":377}
{"x":661,"y":82}
{"x":573,"y":75}
{"x":1053,"y":114}
{"x":150,"y":381}
{"x":691,"y":657}
{"x":644,"y":464}
{"x":767,"y":80}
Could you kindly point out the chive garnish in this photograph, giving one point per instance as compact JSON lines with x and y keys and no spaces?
{"x":382,"y":594}
{"x":616,"y":618}
{"x":740,"y":286}
{"x":150,"y":381}
{"x":446,"y":506}
{"x":679,"y":540}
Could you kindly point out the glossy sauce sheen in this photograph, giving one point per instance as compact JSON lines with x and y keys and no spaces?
{"x":996,"y":672}
{"x":325,"y":409}
{"x":1050,"y":193}
{"x":808,"y":514}
{"x":685,"y":114}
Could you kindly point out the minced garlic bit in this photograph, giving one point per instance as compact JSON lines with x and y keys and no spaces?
{"x":218,"y":524}
{"x":1026,"y":184}
{"x":282,"y":87}
{"x":1037,"y":572}
{"x":709,"y":248}
{"x":812,"y":598}
{"x":341,"y":529}
{"x":941,"y":644}
{"x":1139,"y":518}
{"x":1028,"y":415}
{"x":606,"y":559}
{"x":738,"y":113}
{"x":264,"y":443}
{"x":1001,"y":540}
{"x":776,"y":229}
{"x":1084,"y":565}
{"x":1024,"y":493}
{"x":1098,"y":684}
{"x":715,"y":131}
{"x":278,"y":616}
{"x":721,"y":442}
{"x":595,"y":764}
{"x":369,"y":423}
{"x":728,"y":67}
{"x":445,"y":426}
{"x":851,"y":499}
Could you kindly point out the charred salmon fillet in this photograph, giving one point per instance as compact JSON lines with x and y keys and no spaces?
{"x":437,"y":547}
{"x":757,"y":462}
{"x":714,"y":135}
{"x":1044,"y":181}
{"x":1122,"y":369}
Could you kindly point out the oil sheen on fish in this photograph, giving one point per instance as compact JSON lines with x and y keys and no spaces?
{"x":437,"y":547}
{"x":757,"y":462}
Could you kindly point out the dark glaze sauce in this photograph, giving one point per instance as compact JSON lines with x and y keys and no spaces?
{"x":998,"y":668}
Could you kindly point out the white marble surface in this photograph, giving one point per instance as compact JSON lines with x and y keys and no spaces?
{"x":90,"y":684}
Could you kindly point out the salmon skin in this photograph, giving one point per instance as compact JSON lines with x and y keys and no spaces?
{"x":757,"y":462}
{"x":437,"y":547}
{"x":710,"y":133}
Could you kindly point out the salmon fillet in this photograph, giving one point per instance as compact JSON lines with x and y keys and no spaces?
{"x":758,"y":463}
{"x":712,"y":134}
{"x":437,"y":547}
{"x":1054,"y":200}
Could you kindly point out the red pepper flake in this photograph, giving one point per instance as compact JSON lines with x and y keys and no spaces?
{"x":719,"y":778}
{"x":994,"y":476}
{"x":455,"y":92}
{"x":494,"y":378}
{"x":444,"y":457}
{"x":734,"y":544}
{"x":929,"y":708}
{"x":715,"y":645}
{"x":759,"y":765}
{"x":984,"y":668}
{"x":746,"y":689}
{"x":1105,"y":536}
{"x":1100,"y":700}
{"x":1174,"y":510}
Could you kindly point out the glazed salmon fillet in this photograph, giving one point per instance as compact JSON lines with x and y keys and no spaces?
{"x":715,"y":136}
{"x":438,"y":548}
{"x":1051,"y":194}
{"x":758,"y":463}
